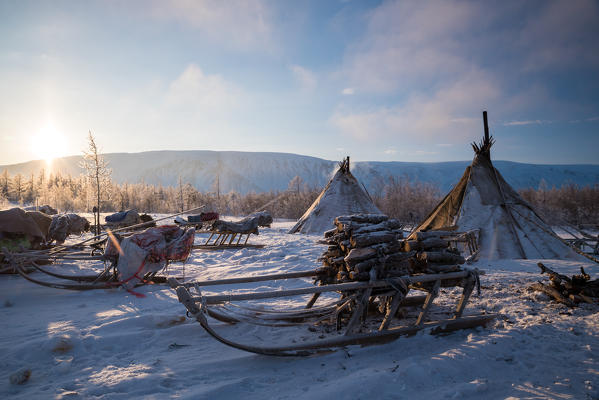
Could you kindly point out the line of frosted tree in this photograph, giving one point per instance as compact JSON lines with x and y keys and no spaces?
{"x":397,"y":197}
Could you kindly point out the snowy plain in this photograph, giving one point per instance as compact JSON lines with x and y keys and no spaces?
{"x":110,"y":344}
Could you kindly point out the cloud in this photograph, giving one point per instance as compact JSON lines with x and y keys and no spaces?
{"x":195,"y":89}
{"x":348,"y":91}
{"x":241,"y":23}
{"x":561,"y":34}
{"x":529,"y":122}
{"x":410,"y":43}
{"x":450,"y":114}
{"x":304,"y":77}
{"x":577,"y":121}
{"x":391,"y":151}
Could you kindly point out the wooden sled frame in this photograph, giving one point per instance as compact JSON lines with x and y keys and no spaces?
{"x":356,"y":298}
{"x":580,"y":239}
{"x":467,"y":242}
{"x":226,"y":240}
{"x":23,"y":264}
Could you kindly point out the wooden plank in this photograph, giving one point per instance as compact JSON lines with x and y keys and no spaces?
{"x":397,"y":299}
{"x":246,"y":279}
{"x":468,"y":287}
{"x":216,"y":299}
{"x":428,"y":303}
{"x":361,"y":307}
{"x":313,"y":300}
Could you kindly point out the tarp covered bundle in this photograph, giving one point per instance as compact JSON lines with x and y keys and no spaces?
{"x":42,"y":220}
{"x":28,"y":227}
{"x":509,"y":227}
{"x":46,"y":209}
{"x":149,"y":251}
{"x":263,"y":218}
{"x":343,"y":195}
{"x":248,"y":224}
{"x":123,"y":218}
{"x":67,"y":224}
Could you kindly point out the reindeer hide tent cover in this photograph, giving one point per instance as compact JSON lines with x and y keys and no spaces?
{"x":343,"y":195}
{"x":509,"y":227}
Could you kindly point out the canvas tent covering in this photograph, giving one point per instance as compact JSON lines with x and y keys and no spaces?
{"x":508,"y":226}
{"x":343,"y":195}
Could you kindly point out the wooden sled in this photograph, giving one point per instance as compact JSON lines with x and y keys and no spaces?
{"x":234,"y":235}
{"x":226,"y":240}
{"x":352,"y":313}
{"x":25,"y":264}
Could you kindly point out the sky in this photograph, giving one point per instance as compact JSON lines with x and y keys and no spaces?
{"x":376,"y":80}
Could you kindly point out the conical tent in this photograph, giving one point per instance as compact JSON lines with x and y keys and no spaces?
{"x":343,"y":195}
{"x":508,"y":226}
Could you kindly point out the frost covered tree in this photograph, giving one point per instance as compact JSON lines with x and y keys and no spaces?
{"x":97,"y":172}
{"x":18,"y":188}
{"x":5,"y":183}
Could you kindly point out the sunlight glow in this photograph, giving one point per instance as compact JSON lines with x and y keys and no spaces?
{"x":48,"y":143}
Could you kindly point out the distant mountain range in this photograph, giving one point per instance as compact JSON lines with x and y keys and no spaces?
{"x":244,"y":172}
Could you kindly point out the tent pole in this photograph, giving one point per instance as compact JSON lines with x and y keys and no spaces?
{"x":486,"y":124}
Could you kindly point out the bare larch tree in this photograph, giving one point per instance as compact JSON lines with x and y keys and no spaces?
{"x":97,"y":172}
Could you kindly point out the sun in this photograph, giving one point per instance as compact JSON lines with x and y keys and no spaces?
{"x":48,"y":143}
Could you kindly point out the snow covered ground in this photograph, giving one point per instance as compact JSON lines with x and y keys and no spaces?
{"x":110,"y":344}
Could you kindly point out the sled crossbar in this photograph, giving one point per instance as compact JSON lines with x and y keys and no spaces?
{"x":340,"y":287}
{"x":260,"y":278}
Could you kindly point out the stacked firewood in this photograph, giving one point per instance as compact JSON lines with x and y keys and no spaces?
{"x":433,"y":253}
{"x":365,"y":247}
{"x":361,"y":245}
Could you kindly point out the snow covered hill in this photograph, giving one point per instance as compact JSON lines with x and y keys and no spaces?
{"x":247,"y":171}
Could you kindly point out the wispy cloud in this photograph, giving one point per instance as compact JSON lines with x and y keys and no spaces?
{"x":304,"y":77}
{"x":527,"y":122}
{"x":391,"y":151}
{"x":418,"y":51}
{"x":423,"y":119}
{"x":245,"y":24}
{"x":560,"y":35}
{"x":348,"y":91}
{"x":195,"y":89}
{"x":410,"y":43}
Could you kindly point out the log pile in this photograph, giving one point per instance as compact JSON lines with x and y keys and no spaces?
{"x":433,"y":254}
{"x":569,"y":291}
{"x":365,"y":247}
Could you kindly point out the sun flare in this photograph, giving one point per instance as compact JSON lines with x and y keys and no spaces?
{"x":48,"y":143}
